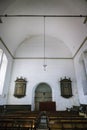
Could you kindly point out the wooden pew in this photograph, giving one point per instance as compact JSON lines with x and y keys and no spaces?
{"x":18,"y":121}
{"x":66,"y":122}
{"x":17,"y":124}
{"x":62,"y":114}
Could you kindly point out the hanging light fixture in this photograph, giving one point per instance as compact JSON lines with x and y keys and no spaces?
{"x":44,"y":64}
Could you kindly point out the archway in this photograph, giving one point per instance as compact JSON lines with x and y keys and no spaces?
{"x":43,"y":93}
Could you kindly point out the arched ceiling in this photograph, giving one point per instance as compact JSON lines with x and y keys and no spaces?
{"x":71,"y":31}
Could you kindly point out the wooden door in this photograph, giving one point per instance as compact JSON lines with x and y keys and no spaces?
{"x":43,"y":93}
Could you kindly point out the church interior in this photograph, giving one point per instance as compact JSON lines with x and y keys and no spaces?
{"x":43,"y":64}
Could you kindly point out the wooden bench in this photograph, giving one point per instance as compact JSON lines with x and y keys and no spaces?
{"x":67,"y":123}
{"x":16,"y":124}
{"x":18,"y":121}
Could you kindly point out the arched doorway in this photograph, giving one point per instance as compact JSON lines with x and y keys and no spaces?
{"x":43,"y":93}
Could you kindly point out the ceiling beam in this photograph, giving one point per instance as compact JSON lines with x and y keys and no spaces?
{"x":8,"y":15}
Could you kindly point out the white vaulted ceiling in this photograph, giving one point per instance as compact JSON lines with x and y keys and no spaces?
{"x":64,"y":35}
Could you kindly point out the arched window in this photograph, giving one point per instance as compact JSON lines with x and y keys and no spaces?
{"x":85,"y":60}
{"x":3,"y":66}
{"x":83,"y":69}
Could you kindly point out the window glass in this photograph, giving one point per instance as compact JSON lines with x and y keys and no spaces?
{"x":3,"y":66}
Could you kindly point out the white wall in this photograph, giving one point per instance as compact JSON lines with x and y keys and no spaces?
{"x":32,"y":70}
{"x":81,"y":74}
{"x":29,"y":64}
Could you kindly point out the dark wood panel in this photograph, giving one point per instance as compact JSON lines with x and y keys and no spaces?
{"x":9,"y":108}
{"x":47,"y":106}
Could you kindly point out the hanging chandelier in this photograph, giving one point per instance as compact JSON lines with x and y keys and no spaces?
{"x":44,"y":63}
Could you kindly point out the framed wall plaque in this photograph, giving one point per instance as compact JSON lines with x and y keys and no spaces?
{"x":20,"y":87}
{"x":66,"y":87}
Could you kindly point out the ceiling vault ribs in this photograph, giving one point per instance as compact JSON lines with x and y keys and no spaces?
{"x":41,"y":57}
{"x":8,"y":15}
{"x":6,"y":48}
{"x":55,"y":57}
{"x":80,"y":47}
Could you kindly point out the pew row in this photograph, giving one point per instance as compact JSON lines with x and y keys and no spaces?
{"x":64,"y":123}
{"x":18,"y":120}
